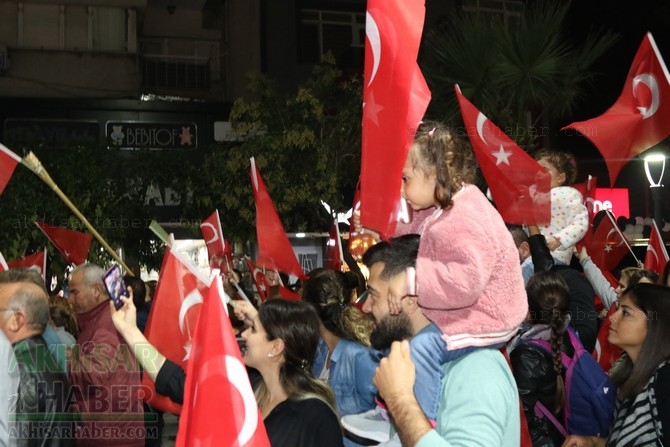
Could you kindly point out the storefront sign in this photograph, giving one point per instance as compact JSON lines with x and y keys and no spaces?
{"x":150,"y":135}
{"x":613,"y":199}
{"x":53,"y":132}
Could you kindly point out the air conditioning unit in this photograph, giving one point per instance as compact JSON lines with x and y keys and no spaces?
{"x":4,"y":60}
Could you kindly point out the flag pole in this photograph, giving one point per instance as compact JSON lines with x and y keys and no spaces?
{"x":621,"y":235}
{"x":34,"y":164}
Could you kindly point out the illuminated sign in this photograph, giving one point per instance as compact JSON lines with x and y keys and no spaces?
{"x":613,"y":199}
{"x":148,"y":135}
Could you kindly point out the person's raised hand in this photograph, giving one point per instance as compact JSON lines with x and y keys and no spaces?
{"x":124,"y":318}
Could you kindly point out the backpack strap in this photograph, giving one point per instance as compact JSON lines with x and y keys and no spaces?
{"x":543,"y":412}
{"x":565,"y":358}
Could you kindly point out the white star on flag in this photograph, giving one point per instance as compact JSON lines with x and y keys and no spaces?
{"x":502,"y":156}
{"x":608,"y":248}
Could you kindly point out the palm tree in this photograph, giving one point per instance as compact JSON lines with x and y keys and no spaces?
{"x":520,"y":74}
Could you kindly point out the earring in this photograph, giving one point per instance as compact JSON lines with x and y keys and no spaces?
{"x":270,"y":355}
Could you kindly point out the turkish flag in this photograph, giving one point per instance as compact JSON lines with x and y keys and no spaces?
{"x":605,"y":352}
{"x":608,"y":245}
{"x":217,"y":384}
{"x":259,"y":279}
{"x":36,"y":260}
{"x":657,"y":254}
{"x":219,"y":251}
{"x":588,"y":191}
{"x":173,"y":316}
{"x":334,"y":257}
{"x":8,"y":162}
{"x":519,"y":185}
{"x":274,"y":249}
{"x":73,"y":245}
{"x":640,"y":118}
{"x":395,"y":98}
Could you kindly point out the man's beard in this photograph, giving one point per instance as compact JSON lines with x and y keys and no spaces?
{"x":389,"y":329}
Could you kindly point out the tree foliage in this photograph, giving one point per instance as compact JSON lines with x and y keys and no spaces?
{"x":511,"y":71}
{"x":306,"y":145}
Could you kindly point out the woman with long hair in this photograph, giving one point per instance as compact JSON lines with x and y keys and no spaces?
{"x":344,"y":357}
{"x":641,"y":327}
{"x":539,"y":374}
{"x":280,"y":343}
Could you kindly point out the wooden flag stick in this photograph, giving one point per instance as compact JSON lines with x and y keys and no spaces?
{"x":32,"y":162}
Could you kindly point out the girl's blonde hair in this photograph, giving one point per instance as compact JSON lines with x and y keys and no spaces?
{"x":438,"y":150}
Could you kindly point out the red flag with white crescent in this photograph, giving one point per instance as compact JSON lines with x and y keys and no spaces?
{"x":36,"y":260}
{"x":72,"y":245}
{"x":520,"y":187}
{"x":219,"y":404}
{"x":173,"y":316}
{"x":219,"y":250}
{"x":657,"y":254}
{"x":588,"y":191}
{"x":334,"y":256}
{"x":8,"y":162}
{"x":395,"y":98}
{"x":274,"y":249}
{"x":640,"y":118}
{"x":258,"y":277}
{"x":608,"y":245}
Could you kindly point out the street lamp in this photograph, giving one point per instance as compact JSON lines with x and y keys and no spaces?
{"x":654,"y":167}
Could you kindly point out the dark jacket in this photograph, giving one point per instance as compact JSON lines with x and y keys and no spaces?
{"x":583,"y":315}
{"x":41,"y":410}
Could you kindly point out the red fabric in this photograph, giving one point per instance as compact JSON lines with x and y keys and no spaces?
{"x":105,"y":379}
{"x":334,"y":259}
{"x":606,"y":353}
{"x":608,"y":245}
{"x":395,"y":98}
{"x":73,"y":245}
{"x":525,"y":438}
{"x":259,"y":280}
{"x":274,"y":248}
{"x":588,"y":191}
{"x":288,"y":294}
{"x":519,"y":185}
{"x":8,"y":162}
{"x":173,"y":317}
{"x":640,"y":118}
{"x":657,"y":255}
{"x":38,"y":260}
{"x":219,"y":250}
{"x":219,"y":404}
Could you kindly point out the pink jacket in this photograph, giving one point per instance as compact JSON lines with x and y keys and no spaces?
{"x":469,"y":279}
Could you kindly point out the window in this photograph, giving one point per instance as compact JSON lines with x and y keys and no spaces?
{"x":341,"y":33}
{"x":175,"y":73}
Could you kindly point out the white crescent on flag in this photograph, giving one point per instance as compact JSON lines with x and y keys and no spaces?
{"x":649,"y":80}
{"x":191,"y":300}
{"x":653,"y":252}
{"x":216,"y":234}
{"x":372,"y":33}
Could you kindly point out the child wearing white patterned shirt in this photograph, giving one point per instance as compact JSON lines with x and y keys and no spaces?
{"x":569,"y":217}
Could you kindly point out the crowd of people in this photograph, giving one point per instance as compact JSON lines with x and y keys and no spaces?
{"x":464,"y":333}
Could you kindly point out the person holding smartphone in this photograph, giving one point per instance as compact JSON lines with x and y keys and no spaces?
{"x":103,"y":369}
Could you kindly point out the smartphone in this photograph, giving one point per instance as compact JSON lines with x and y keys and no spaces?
{"x":116,"y":287}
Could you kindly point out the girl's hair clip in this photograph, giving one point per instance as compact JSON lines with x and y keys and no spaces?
{"x":431,"y":132}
